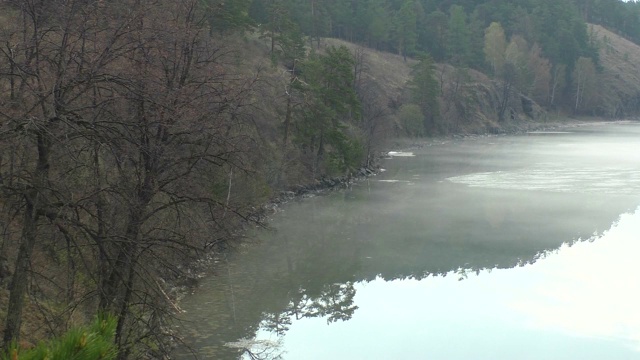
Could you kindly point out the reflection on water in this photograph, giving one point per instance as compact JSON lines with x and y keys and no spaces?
{"x":455,"y":253}
{"x":578,"y":302}
{"x":590,"y":289}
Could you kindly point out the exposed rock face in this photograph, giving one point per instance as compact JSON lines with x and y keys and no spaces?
{"x":472,"y":103}
{"x":476,"y":107}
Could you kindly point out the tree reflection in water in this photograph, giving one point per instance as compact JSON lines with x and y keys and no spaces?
{"x":334,"y":303}
{"x":258,"y":349}
{"x":326,"y":247}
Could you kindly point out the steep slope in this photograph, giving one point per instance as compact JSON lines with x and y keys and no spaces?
{"x":469,"y":100}
{"x":620,"y":77}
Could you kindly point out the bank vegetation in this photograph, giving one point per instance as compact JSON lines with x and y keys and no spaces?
{"x":138,"y":135}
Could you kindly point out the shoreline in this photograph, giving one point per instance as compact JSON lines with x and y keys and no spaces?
{"x":402,"y":144}
{"x":206,"y":266}
{"x":260,"y":217}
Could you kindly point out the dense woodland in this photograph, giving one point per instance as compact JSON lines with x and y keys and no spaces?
{"x":541,"y":47}
{"x":136,"y":135}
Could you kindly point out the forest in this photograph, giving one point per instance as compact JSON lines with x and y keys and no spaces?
{"x":138,"y":136}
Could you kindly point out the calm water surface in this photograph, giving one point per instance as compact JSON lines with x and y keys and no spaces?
{"x":519,"y":247}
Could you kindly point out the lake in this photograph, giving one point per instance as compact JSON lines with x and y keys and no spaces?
{"x":508,"y":247}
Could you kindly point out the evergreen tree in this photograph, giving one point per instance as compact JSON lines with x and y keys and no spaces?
{"x":330,"y":107}
{"x":342,"y":21}
{"x":412,"y":120}
{"x":476,"y":42}
{"x":540,"y":68}
{"x":559,"y":31}
{"x":458,"y":40}
{"x":379,"y":24}
{"x":313,"y":18}
{"x":285,"y":38}
{"x":434,"y":36}
{"x":405,"y":28}
{"x":424,"y":92}
{"x":228,"y":16}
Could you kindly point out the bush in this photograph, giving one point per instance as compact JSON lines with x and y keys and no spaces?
{"x":85,"y":343}
{"x":412,"y":120}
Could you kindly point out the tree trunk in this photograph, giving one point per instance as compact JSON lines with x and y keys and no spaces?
{"x":18,"y":286}
{"x":34,"y":202}
{"x":287,"y":123}
{"x":506,"y":92}
{"x":287,"y":119}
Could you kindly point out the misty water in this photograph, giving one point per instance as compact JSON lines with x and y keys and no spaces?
{"x":509,"y":247}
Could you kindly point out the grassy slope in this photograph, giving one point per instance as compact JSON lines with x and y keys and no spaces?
{"x":473,"y":107}
{"x":620,"y":85}
{"x":387,"y":70}
{"x":474,"y":110}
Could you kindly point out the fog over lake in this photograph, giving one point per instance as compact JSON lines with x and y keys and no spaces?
{"x":508,"y":247}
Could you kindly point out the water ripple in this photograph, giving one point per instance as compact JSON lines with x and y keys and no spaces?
{"x":583,"y":180}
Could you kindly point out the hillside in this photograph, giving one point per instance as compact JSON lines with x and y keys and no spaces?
{"x":555,"y":58}
{"x":475,"y":109}
{"x":137,"y":135}
{"x":620,"y":85}
{"x":468,"y":99}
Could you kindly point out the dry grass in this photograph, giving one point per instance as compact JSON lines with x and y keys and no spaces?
{"x":388,"y":70}
{"x":620,"y":59}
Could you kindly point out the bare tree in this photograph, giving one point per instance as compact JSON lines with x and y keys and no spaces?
{"x":558,"y":73}
{"x":584,"y":81}
{"x":123,"y":115}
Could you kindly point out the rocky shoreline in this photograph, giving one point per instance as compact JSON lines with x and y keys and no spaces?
{"x":327,"y":184}
{"x":178,"y":287}
{"x":318,"y":187}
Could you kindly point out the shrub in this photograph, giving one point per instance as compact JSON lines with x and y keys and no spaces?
{"x":94,"y":342}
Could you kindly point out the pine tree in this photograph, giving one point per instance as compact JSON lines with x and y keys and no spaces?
{"x":458,"y":37}
{"x":405,"y":28}
{"x":228,"y":16}
{"x":434,"y":35}
{"x":286,"y":41}
{"x":424,"y":92}
{"x":379,"y":24}
{"x":331,"y":105}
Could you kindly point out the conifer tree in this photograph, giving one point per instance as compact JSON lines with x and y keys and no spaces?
{"x":458,"y":40}
{"x":379,"y":24}
{"x":228,"y":16}
{"x":434,"y":36}
{"x":405,"y":28}
{"x":330,"y":107}
{"x":286,"y":42}
{"x":424,"y":92}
